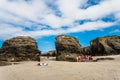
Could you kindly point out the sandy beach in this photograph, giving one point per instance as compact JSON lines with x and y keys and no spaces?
{"x":61,"y":70}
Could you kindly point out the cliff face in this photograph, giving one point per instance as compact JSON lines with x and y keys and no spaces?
{"x":105,"y":45}
{"x":20,"y":48}
{"x":66,"y":45}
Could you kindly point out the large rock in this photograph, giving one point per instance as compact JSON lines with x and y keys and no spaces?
{"x":105,"y":45}
{"x":67,"y":46}
{"x":19,"y":49}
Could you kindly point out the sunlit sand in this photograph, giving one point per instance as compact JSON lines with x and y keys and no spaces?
{"x":61,"y":70}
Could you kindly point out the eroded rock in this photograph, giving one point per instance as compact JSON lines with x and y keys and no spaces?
{"x":67,"y":45}
{"x":19,"y":49}
{"x":105,"y":45}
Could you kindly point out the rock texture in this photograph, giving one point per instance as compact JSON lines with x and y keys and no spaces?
{"x":67,"y":45}
{"x":19,"y":49}
{"x":105,"y":45}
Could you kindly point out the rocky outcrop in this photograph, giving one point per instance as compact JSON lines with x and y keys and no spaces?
{"x":52,"y":53}
{"x":105,"y":45}
{"x":19,"y":49}
{"x":66,"y":46}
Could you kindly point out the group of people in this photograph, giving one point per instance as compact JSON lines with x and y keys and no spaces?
{"x":84,"y":58}
{"x":42,"y":64}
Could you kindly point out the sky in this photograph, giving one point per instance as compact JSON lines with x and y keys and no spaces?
{"x":45,"y":19}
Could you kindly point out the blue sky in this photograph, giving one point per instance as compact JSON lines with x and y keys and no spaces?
{"x":45,"y":19}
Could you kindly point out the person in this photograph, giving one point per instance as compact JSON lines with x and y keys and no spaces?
{"x":48,"y":55}
{"x":78,"y":58}
{"x":42,"y":64}
{"x":90,"y":58}
{"x":39,"y":59}
{"x":38,"y":64}
{"x":84,"y":58}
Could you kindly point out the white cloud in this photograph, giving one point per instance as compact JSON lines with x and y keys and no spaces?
{"x":115,"y":31}
{"x":103,"y":9}
{"x":71,"y":8}
{"x":52,"y":20}
{"x":7,"y":31}
{"x":36,"y":18}
{"x":90,"y":26}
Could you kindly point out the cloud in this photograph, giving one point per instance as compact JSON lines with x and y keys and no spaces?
{"x":115,"y":31}
{"x":91,"y":26}
{"x":38,"y":18}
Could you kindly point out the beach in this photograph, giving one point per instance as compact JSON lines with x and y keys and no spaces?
{"x":62,"y":70}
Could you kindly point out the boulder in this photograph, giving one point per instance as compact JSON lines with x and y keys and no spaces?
{"x":19,"y":48}
{"x":105,"y":45}
{"x":67,"y":45}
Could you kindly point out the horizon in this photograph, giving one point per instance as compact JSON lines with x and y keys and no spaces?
{"x":45,"y":19}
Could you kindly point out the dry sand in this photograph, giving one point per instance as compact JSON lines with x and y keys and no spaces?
{"x":60,"y":70}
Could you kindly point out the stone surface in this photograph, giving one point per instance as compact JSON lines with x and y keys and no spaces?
{"x":105,"y":45}
{"x":19,"y":49}
{"x":67,"y":45}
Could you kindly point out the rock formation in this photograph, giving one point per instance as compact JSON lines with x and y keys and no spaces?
{"x":52,"y":53}
{"x":86,"y":50}
{"x":67,"y":46}
{"x":105,"y":45}
{"x":19,"y":49}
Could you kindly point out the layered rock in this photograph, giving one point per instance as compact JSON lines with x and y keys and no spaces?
{"x":66,"y":46}
{"x":105,"y":45}
{"x":19,"y":49}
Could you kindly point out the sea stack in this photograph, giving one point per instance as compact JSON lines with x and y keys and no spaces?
{"x":107,"y":45}
{"x":19,"y":48}
{"x":67,"y":48}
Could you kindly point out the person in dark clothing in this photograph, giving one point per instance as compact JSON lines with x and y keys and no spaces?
{"x":48,"y":55}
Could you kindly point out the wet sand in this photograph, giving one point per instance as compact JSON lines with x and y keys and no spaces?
{"x":61,"y":70}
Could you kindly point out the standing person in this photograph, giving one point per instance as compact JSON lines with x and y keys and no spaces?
{"x":90,"y":58}
{"x":84,"y":58}
{"x":39,"y":58}
{"x":48,"y":55}
{"x":78,"y":58}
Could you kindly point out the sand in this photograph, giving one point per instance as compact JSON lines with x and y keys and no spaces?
{"x":60,"y":70}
